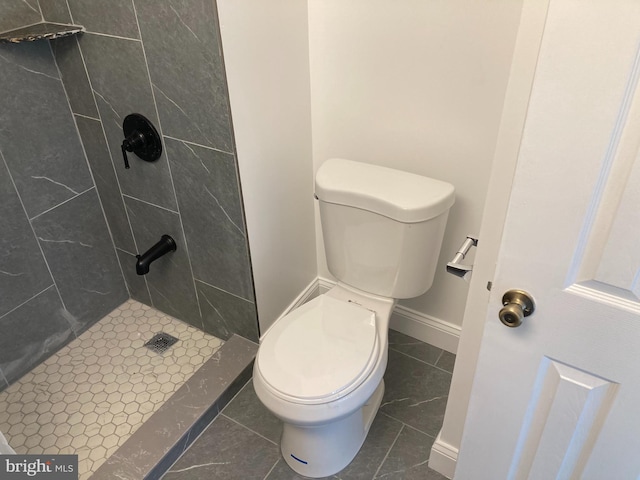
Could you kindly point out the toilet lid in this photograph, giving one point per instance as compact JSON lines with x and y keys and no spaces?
{"x":319,"y":350}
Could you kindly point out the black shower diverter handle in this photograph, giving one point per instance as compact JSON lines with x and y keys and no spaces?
{"x":141,"y":138}
{"x":130,"y":144}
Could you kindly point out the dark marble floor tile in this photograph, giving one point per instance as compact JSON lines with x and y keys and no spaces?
{"x":392,"y":449}
{"x":414,"y":348}
{"x":416,"y":393}
{"x":247,"y":409}
{"x":446,"y":361}
{"x":226,"y":450}
{"x":408,"y":459}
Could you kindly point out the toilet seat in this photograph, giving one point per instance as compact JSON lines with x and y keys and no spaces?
{"x":320,"y":352}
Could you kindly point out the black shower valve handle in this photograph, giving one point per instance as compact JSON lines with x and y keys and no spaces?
{"x":141,"y":138}
{"x":131,"y":143}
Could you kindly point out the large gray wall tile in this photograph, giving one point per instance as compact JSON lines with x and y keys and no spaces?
{"x":31,"y":333}
{"x":74,"y":76}
{"x":23,"y":271}
{"x":224,"y":314}
{"x":181,"y":36}
{"x":18,"y":13}
{"x":120,"y":80}
{"x":106,"y":182}
{"x":207,"y":188}
{"x":38,"y":137}
{"x":115,"y":17}
{"x":135,"y":283}
{"x":78,"y":249}
{"x":169,"y":278}
{"x":55,"y":11}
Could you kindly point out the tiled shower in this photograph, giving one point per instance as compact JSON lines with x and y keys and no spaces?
{"x":73,"y":218}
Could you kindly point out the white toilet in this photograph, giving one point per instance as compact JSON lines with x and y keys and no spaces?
{"x":319,"y":368}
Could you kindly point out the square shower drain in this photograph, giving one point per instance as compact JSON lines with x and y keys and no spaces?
{"x":161,"y":342}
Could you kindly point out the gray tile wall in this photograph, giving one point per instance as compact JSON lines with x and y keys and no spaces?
{"x":164,"y":61}
{"x":59,"y":270}
{"x":18,"y":13}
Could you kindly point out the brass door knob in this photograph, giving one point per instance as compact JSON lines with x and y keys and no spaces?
{"x":517,"y":305}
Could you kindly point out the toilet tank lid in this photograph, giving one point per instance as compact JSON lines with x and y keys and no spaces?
{"x":402,"y":196}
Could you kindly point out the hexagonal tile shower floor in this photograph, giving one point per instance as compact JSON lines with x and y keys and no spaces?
{"x":91,"y":396}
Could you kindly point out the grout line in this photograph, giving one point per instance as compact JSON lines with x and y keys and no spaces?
{"x":198,"y":145}
{"x":40,"y":9}
{"x":26,"y":301}
{"x":85,"y":116}
{"x":271,"y":469}
{"x":69,"y":11}
{"x":23,"y":26}
{"x":222,"y":290}
{"x":419,"y":431}
{"x":125,"y":251}
{"x":439,"y":357}
{"x":421,"y":361}
{"x":62,"y":203}
{"x":406,"y":424}
{"x":388,"y":451}
{"x":247,"y":428}
{"x":113,"y":36}
{"x":149,"y":203}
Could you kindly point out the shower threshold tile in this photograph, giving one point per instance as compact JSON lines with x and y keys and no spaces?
{"x":91,"y":396}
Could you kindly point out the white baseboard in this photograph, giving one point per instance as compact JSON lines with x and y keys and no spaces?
{"x":443,"y":458}
{"x":431,"y":330}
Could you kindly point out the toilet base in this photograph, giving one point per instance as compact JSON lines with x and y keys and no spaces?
{"x":324,"y":450}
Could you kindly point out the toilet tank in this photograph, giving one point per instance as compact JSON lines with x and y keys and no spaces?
{"x":382,"y":228}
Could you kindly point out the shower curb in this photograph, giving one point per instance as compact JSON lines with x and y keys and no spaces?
{"x":162,"y":439}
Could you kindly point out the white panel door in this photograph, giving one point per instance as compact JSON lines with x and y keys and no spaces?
{"x":559,"y":396}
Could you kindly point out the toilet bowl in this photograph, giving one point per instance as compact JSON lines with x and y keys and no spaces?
{"x":320,"y":367}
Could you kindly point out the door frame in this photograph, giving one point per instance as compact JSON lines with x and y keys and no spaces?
{"x":444,"y":453}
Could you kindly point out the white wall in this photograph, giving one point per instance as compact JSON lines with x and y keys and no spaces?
{"x":267,"y":61}
{"x":415,"y":85}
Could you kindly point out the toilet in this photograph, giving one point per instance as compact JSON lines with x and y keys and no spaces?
{"x":320,"y":367}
